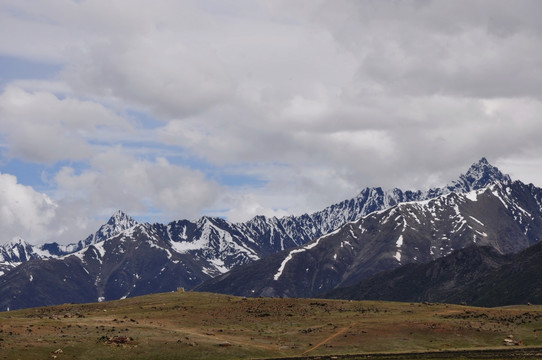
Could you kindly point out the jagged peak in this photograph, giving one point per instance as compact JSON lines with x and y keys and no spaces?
{"x":484,"y":167}
{"x":479,"y":175}
{"x":121,"y":217}
{"x":213,"y":220}
{"x":262,"y":219}
{"x":205,"y":219}
{"x":116,"y":224}
{"x":17,"y":240}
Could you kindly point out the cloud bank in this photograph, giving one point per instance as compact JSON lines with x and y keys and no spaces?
{"x":172,"y":109}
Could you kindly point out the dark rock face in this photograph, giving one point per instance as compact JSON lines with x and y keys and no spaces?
{"x":46,"y":282}
{"x":476,"y":275}
{"x":442,"y":280}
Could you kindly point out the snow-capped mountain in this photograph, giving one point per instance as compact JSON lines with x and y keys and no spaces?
{"x":124,"y":258}
{"x":229,"y":245}
{"x":304,"y":228}
{"x":14,"y":253}
{"x":115,"y":225}
{"x":17,"y":251}
{"x":504,"y":215}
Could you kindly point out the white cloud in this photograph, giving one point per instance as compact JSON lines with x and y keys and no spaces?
{"x":179,"y":69}
{"x":315,"y":99}
{"x":117,"y":180}
{"x":246,"y":206}
{"x":40,"y":127}
{"x":23,"y":211}
{"x":525,"y":167}
{"x":84,"y":199}
{"x":460,"y":48}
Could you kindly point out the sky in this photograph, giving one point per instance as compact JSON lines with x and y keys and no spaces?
{"x":171,"y":110}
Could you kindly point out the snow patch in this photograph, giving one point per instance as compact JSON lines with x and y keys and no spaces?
{"x":523,"y":210}
{"x":219,"y":265}
{"x":461,"y":224}
{"x":498,"y":196}
{"x":285,"y":261}
{"x":300,"y":250}
{"x":473,"y":195}
{"x":398,"y":245}
{"x":100,"y":248}
{"x":481,"y":233}
{"x":478,"y":221}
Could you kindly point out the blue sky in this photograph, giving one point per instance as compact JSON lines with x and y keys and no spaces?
{"x":170,"y":110}
{"x":14,"y":68}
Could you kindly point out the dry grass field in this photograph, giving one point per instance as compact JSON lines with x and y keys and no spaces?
{"x":194,"y":325}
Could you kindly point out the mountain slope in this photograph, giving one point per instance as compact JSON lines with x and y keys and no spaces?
{"x":476,"y":275}
{"x":506,"y":216}
{"x":517,"y":282}
{"x":442,"y":280}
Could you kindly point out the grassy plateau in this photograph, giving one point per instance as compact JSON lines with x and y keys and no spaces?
{"x":191,"y":325}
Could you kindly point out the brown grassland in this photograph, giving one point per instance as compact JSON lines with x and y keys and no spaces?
{"x":191,"y":325}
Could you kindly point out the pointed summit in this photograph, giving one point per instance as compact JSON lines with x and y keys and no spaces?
{"x":117,"y":223}
{"x":120,"y":217}
{"x":16,"y":250}
{"x":17,"y":240}
{"x":479,"y":175}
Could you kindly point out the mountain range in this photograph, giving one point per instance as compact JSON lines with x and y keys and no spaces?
{"x":292,"y":256}
{"x":269,"y":234}
{"x":504,"y":215}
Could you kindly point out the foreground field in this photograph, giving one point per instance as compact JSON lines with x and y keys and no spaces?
{"x":208,"y":326}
